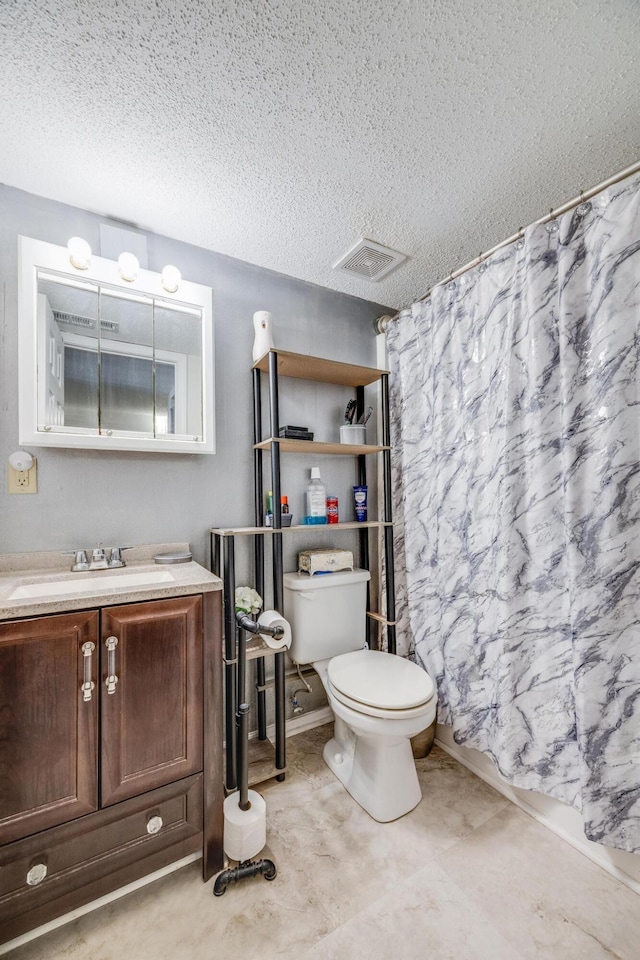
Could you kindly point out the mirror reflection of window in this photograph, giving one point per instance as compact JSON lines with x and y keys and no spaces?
{"x":117,"y":363}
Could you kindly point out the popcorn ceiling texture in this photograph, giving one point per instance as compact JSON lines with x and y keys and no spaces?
{"x":281,"y":131}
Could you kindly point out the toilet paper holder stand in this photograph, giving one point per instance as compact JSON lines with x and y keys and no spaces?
{"x":248,"y":868}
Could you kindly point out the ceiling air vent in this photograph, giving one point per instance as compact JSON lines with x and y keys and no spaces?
{"x":369,"y":260}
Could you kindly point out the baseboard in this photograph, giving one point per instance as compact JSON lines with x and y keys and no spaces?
{"x":96,"y":904}
{"x":558,"y":817}
{"x":306,"y":721}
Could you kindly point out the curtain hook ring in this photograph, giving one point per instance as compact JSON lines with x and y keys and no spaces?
{"x":584,"y":206}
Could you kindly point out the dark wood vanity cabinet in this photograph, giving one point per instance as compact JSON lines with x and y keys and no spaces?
{"x":152,"y":719}
{"x":110,"y":752}
{"x":48,"y":733}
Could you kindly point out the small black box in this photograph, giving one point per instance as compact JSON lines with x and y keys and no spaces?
{"x":295,"y":433}
{"x":291,"y":429}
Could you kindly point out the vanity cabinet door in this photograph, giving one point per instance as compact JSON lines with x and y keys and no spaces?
{"x":48,"y":722}
{"x":151,"y":695}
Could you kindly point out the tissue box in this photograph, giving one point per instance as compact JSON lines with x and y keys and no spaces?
{"x":324,"y":561}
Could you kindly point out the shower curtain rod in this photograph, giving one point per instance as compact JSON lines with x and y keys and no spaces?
{"x":380,"y":324}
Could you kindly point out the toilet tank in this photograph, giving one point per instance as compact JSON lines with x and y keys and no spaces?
{"x":327,"y":613}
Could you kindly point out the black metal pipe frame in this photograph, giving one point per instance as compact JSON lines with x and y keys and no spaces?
{"x":246,"y":625}
{"x":249,"y":868}
{"x":278,"y":593}
{"x":363,"y":535}
{"x":243,"y":726}
{"x":231,"y":669}
{"x":258,"y":544}
{"x":388,"y":517}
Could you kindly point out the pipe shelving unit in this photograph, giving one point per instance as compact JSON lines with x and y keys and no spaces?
{"x":299,"y":366}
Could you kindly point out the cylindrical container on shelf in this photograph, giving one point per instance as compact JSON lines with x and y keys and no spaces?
{"x":353,"y":433}
{"x":332,"y":509}
{"x":360,"y":502}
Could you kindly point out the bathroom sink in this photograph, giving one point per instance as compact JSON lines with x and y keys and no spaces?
{"x":57,"y":586}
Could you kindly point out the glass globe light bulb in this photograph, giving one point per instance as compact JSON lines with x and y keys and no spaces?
{"x":171,"y":278}
{"x":128,"y":266}
{"x":79,"y":253}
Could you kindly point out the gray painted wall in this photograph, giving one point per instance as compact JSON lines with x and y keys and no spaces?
{"x":85,"y":497}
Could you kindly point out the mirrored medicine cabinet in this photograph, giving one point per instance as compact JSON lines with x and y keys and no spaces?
{"x":112,"y":365}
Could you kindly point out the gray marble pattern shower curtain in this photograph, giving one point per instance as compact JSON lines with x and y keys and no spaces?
{"x":516,"y":438}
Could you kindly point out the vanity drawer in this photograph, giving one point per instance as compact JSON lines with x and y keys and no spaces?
{"x":50,"y":873}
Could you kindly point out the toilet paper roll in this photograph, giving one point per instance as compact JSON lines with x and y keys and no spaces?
{"x":271,"y":618}
{"x":245,"y":831}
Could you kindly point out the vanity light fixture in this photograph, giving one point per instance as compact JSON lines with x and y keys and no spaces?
{"x":79,"y":253}
{"x":128,"y":266}
{"x":171,"y":278}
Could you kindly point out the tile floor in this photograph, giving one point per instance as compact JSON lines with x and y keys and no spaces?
{"x":465,"y":876}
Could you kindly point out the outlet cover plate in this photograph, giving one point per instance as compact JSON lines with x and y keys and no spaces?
{"x":23,"y":481}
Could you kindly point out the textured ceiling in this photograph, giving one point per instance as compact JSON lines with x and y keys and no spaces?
{"x":282,"y":131}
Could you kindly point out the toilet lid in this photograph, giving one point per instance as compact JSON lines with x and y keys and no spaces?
{"x":380,"y":679}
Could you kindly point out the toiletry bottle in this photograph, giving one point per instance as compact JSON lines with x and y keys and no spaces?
{"x":284,"y":504}
{"x":360,"y":502}
{"x":316,"y":498}
{"x":268,"y":517}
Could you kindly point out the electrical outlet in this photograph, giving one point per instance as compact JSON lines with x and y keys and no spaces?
{"x":23,"y":481}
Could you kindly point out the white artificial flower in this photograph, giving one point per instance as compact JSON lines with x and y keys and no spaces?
{"x":247,"y":600}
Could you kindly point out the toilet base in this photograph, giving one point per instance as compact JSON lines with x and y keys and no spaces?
{"x":378,"y":772}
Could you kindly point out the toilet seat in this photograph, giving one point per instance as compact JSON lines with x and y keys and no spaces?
{"x":379,"y":684}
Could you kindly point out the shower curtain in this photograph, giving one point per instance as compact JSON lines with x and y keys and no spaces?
{"x":516,"y":470}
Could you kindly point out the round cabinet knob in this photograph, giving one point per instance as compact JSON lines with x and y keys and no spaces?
{"x":154,"y":824}
{"x":37,"y":874}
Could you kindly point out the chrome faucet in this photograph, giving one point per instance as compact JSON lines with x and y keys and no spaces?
{"x":80,"y":561}
{"x":98,"y":559}
{"x":101,"y":559}
{"x":115,"y":557}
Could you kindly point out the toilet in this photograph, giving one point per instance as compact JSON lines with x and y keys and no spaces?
{"x":379,"y":700}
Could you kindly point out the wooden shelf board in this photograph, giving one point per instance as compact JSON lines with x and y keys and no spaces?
{"x":314,"y":446}
{"x":378,"y":617}
{"x":298,"y":528}
{"x":257,"y":647}
{"x":299,"y":366}
{"x":262,"y":765}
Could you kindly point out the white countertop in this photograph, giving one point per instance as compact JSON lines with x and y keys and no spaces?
{"x":23,"y":573}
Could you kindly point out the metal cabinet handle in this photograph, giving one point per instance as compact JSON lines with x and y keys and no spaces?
{"x":87,"y":684}
{"x":111,"y":682}
{"x":36,"y":874}
{"x":154,"y":824}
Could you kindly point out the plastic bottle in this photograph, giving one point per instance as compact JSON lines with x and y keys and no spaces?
{"x":316,"y":498}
